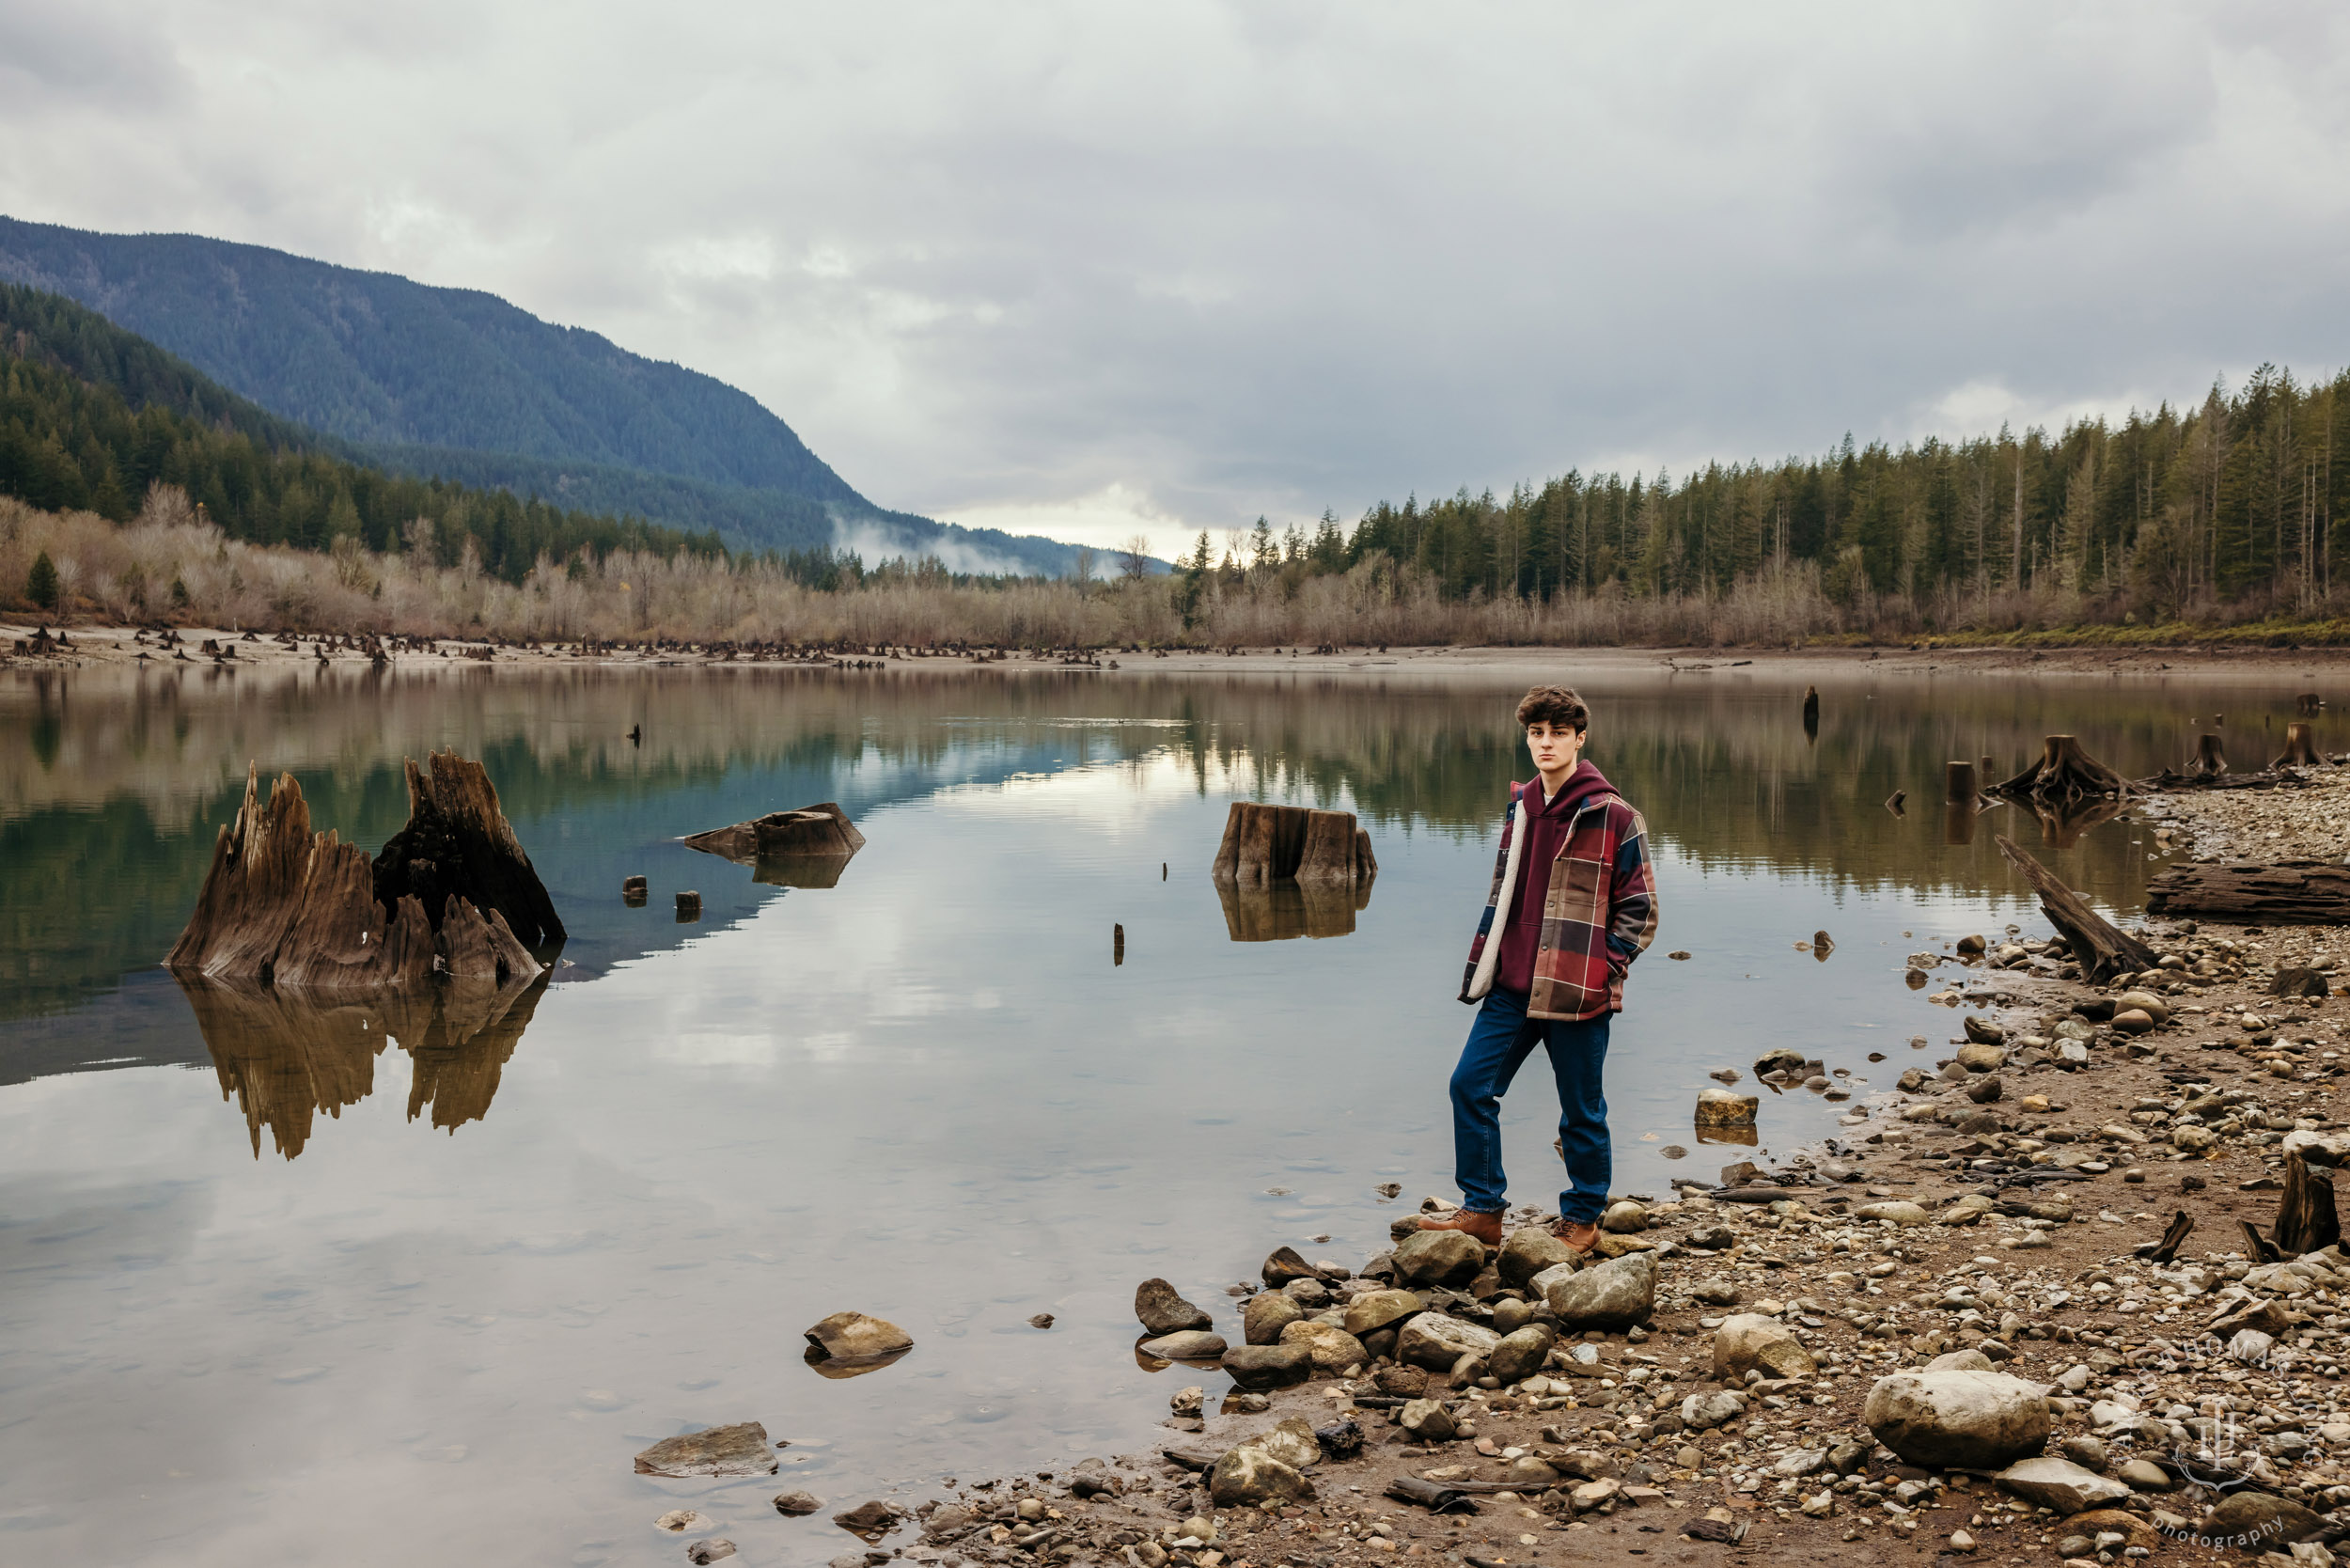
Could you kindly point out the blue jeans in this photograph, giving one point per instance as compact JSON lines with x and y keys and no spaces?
{"x":1498,"y":1043}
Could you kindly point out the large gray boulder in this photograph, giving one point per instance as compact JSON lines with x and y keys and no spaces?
{"x":1437,"y":1343}
{"x":1267,"y":1313}
{"x":1162,"y":1311}
{"x":1615,"y":1294}
{"x":740,"y":1449}
{"x":1372,"y":1310}
{"x":2060,"y":1484}
{"x":1527,"y":1252}
{"x":2257,"y":1522}
{"x":1247,"y":1476}
{"x":1451,"y":1258}
{"x":1748,"y":1341}
{"x":1975,"y":1421}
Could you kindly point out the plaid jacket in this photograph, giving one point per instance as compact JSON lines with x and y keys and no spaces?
{"x":1599,"y":911}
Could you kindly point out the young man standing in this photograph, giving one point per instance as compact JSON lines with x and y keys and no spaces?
{"x":1574,"y":902}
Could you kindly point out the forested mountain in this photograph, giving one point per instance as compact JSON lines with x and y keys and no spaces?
{"x":459,"y":383}
{"x":2239,"y":501}
{"x":91,"y":414}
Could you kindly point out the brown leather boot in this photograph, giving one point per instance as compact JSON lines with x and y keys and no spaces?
{"x":1469,"y":1222}
{"x":1581,"y":1235}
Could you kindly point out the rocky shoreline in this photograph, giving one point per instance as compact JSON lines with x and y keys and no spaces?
{"x":1941,"y":1332}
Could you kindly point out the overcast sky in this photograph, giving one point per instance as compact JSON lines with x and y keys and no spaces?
{"x":1089,"y":268}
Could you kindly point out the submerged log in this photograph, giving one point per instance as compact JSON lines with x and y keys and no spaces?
{"x":283,"y":906}
{"x":2285,"y":892}
{"x":2064,"y":773}
{"x":821,"y":829}
{"x":2101,"y":950}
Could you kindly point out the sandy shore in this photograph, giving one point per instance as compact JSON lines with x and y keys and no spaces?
{"x":96,"y":646}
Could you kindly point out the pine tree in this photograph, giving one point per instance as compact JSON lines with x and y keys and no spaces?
{"x":40,"y":583}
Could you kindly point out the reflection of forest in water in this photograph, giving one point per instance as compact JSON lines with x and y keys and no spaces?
{"x":111,"y":789}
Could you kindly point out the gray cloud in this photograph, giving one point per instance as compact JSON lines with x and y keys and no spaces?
{"x":1217,"y":259}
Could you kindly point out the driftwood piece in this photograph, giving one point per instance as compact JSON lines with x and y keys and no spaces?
{"x":2101,"y":950}
{"x":2287,"y":892}
{"x":2259,"y":1247}
{"x":2173,"y":1237}
{"x":283,"y":907}
{"x":2300,"y":747}
{"x":2305,"y":1218}
{"x":2064,"y":772}
{"x":458,"y":844}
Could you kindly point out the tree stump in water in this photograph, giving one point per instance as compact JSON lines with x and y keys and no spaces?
{"x":1958,"y":783}
{"x":1285,"y":870}
{"x":2300,"y":747}
{"x":2066,"y":771}
{"x":458,"y":844}
{"x":2286,"y":892}
{"x":1811,"y":712}
{"x":2308,"y":702}
{"x":807,"y":848}
{"x":2305,"y":1218}
{"x":2210,"y":759}
{"x":2101,"y":950}
{"x":283,"y":907}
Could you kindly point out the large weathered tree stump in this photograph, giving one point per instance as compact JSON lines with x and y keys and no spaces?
{"x":2300,"y":747}
{"x":283,"y":907}
{"x":2211,"y":758}
{"x":1264,"y":844}
{"x":458,"y":844}
{"x":2285,"y":892}
{"x":2065,"y":773}
{"x":2305,"y":1218}
{"x":2101,"y":950}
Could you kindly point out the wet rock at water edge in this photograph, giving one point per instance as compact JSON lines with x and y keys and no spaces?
{"x":857,"y":1340}
{"x":1043,"y":1319}
{"x":1374,"y":1311}
{"x":740,"y":1449}
{"x":1719,"y":1107}
{"x":1284,"y":1266}
{"x":1264,"y":1317}
{"x":1263,"y":1367}
{"x":1983,"y":1031}
{"x":715,"y":1549}
{"x":1624,"y":1218}
{"x":1437,"y":1343}
{"x":1972,"y":1420}
{"x":870,"y":1520}
{"x":1162,"y":1311}
{"x":1332,"y":1348}
{"x":1192,"y":1344}
{"x":679,"y":1520}
{"x":1612,"y":1296}
{"x":1450,"y":1258}
{"x":796,"y":1505}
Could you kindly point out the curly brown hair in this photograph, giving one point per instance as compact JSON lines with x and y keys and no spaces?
{"x":1556,"y":706}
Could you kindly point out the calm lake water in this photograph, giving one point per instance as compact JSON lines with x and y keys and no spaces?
{"x":278,"y":1286}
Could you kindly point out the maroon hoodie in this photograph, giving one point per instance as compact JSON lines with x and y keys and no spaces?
{"x":1545,"y":835}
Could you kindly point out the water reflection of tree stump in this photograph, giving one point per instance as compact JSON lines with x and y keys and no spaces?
{"x":2065,"y":773}
{"x":2062,"y":824}
{"x":1811,"y":712}
{"x":284,"y":1054}
{"x":1291,"y":909}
